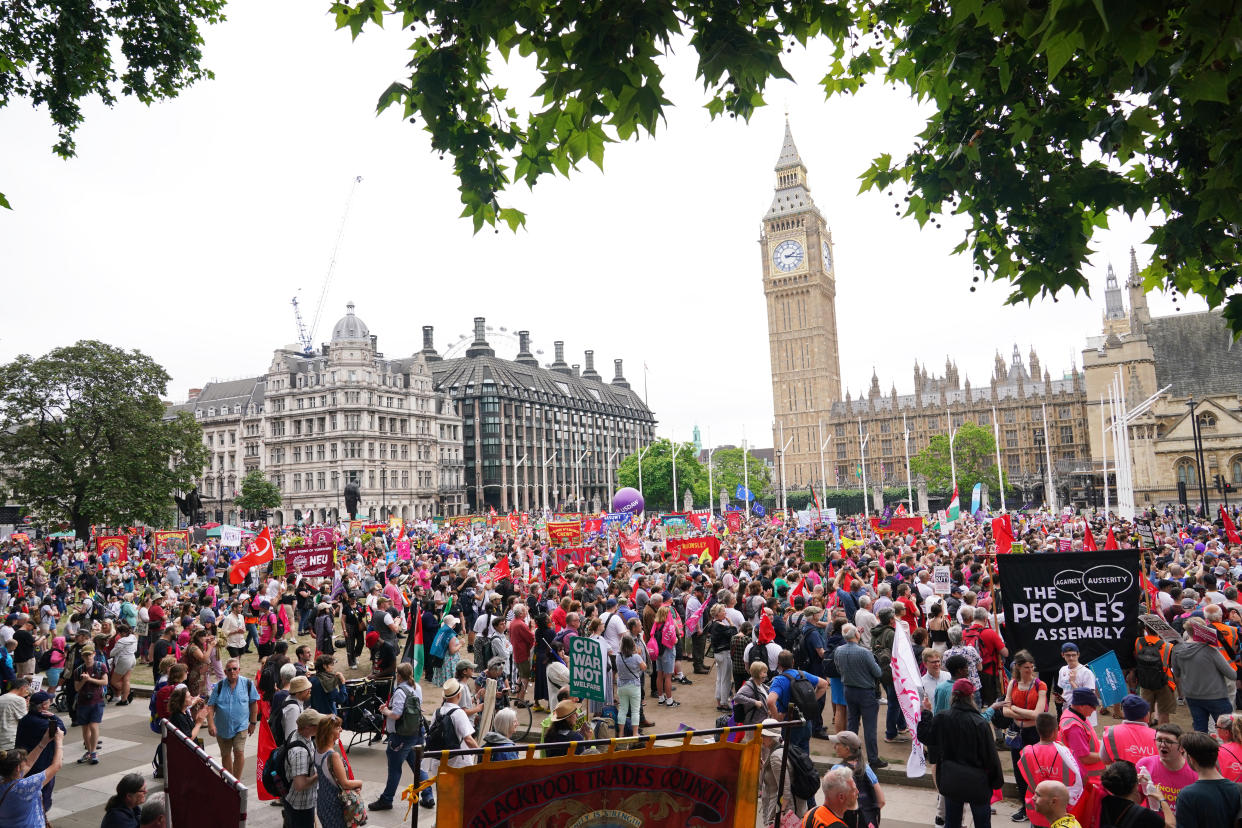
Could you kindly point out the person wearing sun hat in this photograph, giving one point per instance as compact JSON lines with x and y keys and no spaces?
{"x":562,"y":731}
{"x":450,"y":708}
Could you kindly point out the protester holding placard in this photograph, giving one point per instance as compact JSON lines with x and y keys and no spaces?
{"x":1205,"y":677}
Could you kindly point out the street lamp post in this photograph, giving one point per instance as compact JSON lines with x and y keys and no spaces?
{"x":384,"y":491}
{"x":906,"y":439}
{"x":823,"y":444}
{"x":784,"y":447}
{"x":547,"y":463}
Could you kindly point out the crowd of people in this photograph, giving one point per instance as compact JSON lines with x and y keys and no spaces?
{"x":789,"y":639}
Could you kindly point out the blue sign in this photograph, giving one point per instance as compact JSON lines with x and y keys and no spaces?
{"x":392,"y":556}
{"x":612,"y":519}
{"x":1110,"y":681}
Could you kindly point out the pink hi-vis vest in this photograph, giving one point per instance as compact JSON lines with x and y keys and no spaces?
{"x":1130,"y":741}
{"x":1070,"y":721}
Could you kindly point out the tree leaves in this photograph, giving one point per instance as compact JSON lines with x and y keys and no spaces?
{"x":1026,"y":99}
{"x":84,"y":434}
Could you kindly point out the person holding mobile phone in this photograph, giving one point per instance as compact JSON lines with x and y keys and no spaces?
{"x":40,"y":721}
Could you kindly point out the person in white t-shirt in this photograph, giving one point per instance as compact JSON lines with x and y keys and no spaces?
{"x":935,"y":676}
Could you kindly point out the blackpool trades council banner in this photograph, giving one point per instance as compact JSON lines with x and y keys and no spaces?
{"x":677,"y":787}
{"x":1089,"y":598}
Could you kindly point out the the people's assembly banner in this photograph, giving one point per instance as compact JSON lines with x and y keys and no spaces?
{"x":675,"y":787}
{"x":1089,"y":598}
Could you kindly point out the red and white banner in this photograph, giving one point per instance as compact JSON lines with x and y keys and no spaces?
{"x":310,"y":561}
{"x":691,"y":549}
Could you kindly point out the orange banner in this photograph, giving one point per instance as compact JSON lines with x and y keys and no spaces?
{"x":667,"y":787}
{"x":565,"y":533}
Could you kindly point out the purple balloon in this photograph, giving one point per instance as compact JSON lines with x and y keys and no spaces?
{"x":628,"y":501}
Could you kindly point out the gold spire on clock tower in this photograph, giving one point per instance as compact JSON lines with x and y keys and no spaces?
{"x":799,"y":284}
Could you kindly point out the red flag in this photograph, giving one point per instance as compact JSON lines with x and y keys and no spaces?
{"x":1088,"y":541}
{"x":1153,"y":602}
{"x":799,"y":589}
{"x":1111,"y":542}
{"x":875,"y":581}
{"x":831,"y":574}
{"x":1002,"y":534}
{"x":543,"y":570}
{"x":634,"y":591}
{"x":258,"y":552}
{"x":500,"y":571}
{"x":1231,"y":531}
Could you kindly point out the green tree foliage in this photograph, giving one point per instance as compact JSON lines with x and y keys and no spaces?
{"x":258,"y":493}
{"x":56,"y":53}
{"x":974,"y":451}
{"x":83,"y":437}
{"x":727,"y":475}
{"x":1043,"y":117}
{"x":657,"y":482}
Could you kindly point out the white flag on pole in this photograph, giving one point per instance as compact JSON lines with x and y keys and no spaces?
{"x":906,"y":682}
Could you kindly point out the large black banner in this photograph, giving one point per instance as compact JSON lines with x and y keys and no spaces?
{"x":1089,"y":598}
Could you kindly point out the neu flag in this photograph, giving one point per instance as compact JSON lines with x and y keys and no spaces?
{"x":743,"y":493}
{"x":955,"y":507}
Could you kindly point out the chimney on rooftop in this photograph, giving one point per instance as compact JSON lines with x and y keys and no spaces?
{"x":480,"y":347}
{"x":589,"y":371}
{"x":525,"y":357}
{"x":618,"y":378}
{"x":558,"y":364}
{"x":429,"y":344}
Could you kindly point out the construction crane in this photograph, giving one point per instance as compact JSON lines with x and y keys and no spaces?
{"x":306,"y":336}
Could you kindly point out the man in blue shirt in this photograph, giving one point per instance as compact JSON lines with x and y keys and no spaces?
{"x":232,"y":714}
{"x":779,"y":697}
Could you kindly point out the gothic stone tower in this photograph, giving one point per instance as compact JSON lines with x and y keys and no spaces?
{"x":800,"y":286}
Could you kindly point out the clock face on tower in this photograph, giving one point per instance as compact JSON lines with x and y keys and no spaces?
{"x":787,"y":255}
{"x":827,"y":256}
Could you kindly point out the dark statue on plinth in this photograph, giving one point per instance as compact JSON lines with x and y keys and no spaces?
{"x":352,"y":497}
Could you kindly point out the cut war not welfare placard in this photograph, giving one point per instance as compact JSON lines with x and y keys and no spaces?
{"x":1089,"y":598}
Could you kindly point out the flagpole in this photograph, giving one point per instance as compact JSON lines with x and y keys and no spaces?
{"x":1050,"y":495}
{"x":999,"y":472}
{"x":711,"y":490}
{"x":746,"y":472}
{"x":675,"y":498}
{"x":784,"y":448}
{"x":909,"y":488}
{"x":1104,"y":450}
{"x":952,"y":459}
{"x":823,"y":475}
{"x":862,"y":452}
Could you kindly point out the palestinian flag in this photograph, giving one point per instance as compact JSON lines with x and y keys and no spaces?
{"x":955,"y":507}
{"x":415,"y":652}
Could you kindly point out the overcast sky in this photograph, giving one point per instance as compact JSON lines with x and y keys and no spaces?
{"x":184,"y":229}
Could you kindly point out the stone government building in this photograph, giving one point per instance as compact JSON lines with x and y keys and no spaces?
{"x":420,"y":435}
{"x":799,"y":280}
{"x":1192,"y":353}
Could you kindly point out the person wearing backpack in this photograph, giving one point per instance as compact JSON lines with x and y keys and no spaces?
{"x":882,"y":649}
{"x":1153,"y":672}
{"x":298,"y":763}
{"x":405,"y":729}
{"x":796,"y":694}
{"x":233,"y":715}
{"x":773,"y":799}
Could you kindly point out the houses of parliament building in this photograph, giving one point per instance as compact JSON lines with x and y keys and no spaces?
{"x":1038,"y":417}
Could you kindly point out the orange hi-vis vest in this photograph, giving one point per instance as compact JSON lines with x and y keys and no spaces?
{"x":1070,"y":721}
{"x":1227,"y":643}
{"x":1039,"y":763}
{"x":1130,"y":741}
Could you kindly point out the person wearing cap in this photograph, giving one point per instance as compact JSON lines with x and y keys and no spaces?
{"x":1205,"y":677}
{"x":383,"y":657}
{"x":1156,"y":682}
{"x":962,"y":746}
{"x":773,"y":799}
{"x":1044,"y":760}
{"x":848,"y":749}
{"x":31,"y":730}
{"x":1077,"y":733}
{"x":1133,"y":738}
{"x":300,"y":756}
{"x":91,"y":681}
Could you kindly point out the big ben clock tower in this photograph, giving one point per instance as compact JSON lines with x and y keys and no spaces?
{"x":800,"y":286}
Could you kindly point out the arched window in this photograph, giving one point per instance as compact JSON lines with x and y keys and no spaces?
{"x":1187,"y":473}
{"x":1235,"y":470}
{"x":1208,"y":420}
